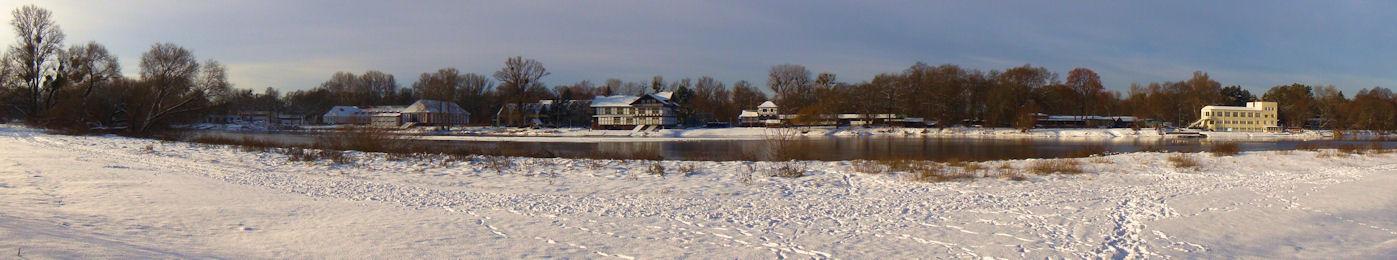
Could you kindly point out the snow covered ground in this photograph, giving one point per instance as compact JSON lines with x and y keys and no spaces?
{"x":115,"y":197}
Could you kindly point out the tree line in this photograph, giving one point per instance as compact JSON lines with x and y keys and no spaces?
{"x":82,"y":87}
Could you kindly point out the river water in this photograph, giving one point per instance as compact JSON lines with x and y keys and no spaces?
{"x":851,"y":148}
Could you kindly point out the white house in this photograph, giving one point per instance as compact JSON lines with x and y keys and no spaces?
{"x":1255,"y":117}
{"x":352,"y":115}
{"x":749,"y":118}
{"x":345,"y":115}
{"x":386,"y":120}
{"x":623,"y":111}
{"x":422,"y":112}
{"x":767,"y":109}
{"x":435,"y":113}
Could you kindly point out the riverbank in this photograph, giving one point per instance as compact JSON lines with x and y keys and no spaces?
{"x":116,"y":197}
{"x":585,"y":135}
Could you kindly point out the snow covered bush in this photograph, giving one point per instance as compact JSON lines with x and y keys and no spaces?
{"x":791,"y":169}
{"x":1064,"y":166}
{"x":688,"y":169}
{"x":1183,"y":161}
{"x":869,"y":167}
{"x":656,"y":169}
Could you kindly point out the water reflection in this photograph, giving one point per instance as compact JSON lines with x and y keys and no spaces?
{"x":849,"y":148}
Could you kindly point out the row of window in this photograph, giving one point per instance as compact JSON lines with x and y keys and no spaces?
{"x":1234,"y":114}
{"x":629,"y":110}
{"x":630,"y":120}
{"x":1240,"y":122}
{"x":1246,"y":129}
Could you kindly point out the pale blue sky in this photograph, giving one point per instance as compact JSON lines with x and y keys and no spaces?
{"x":298,"y":44}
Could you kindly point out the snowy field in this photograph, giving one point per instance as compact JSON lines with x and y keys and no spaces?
{"x":114,"y":197}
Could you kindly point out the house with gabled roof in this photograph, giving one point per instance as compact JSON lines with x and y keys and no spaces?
{"x":649,"y":111}
{"x":424,"y":112}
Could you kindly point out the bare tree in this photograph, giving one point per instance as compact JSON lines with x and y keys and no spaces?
{"x":517,"y":77}
{"x":89,"y":66}
{"x":745,"y":96}
{"x":377,"y":87}
{"x":213,"y":81}
{"x":612,"y":86}
{"x":171,"y":86}
{"x":791,"y":83}
{"x":1087,"y":85}
{"x":440,"y":85}
{"x":657,"y":84}
{"x":34,"y":57}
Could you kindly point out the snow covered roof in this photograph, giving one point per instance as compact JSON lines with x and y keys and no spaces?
{"x":1254,"y":106}
{"x":626,"y":100}
{"x":767,"y":104}
{"x":665,"y":95}
{"x":614,"y":101}
{"x":664,"y":98}
{"x":339,"y":111}
{"x":1076,"y":118}
{"x":748,"y":113}
{"x":1231,"y":108}
{"x":383,"y":109}
{"x":434,"y":106}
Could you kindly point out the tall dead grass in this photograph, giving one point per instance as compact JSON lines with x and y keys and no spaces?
{"x":1225,"y":149}
{"x":1183,"y":161}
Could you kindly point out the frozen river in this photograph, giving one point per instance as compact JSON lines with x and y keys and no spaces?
{"x":853,"y":148}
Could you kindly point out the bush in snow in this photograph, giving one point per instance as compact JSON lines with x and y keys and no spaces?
{"x":791,"y":169}
{"x":656,"y":169}
{"x":1183,"y":161}
{"x":1225,"y":149}
{"x":688,"y":169}
{"x":1064,"y":166}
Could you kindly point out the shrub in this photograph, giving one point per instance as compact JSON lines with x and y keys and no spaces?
{"x":869,"y":167}
{"x":1064,"y":166}
{"x":361,"y":139}
{"x":745,"y":177}
{"x":1225,"y":149}
{"x":337,"y":157}
{"x":297,"y":154}
{"x":972,"y":167}
{"x":938,"y":173}
{"x":656,"y":169}
{"x":595,"y":164}
{"x":498,"y":164}
{"x":1101,"y":160}
{"x":1183,"y":161}
{"x":791,"y":169}
{"x":688,"y":169}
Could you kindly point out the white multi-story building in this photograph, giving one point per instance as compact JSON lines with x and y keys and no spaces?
{"x":1255,"y":117}
{"x":629,"y":112}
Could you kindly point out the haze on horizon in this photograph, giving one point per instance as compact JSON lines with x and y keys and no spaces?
{"x":298,"y":45}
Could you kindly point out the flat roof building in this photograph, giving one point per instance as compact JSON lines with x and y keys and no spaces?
{"x":1257,"y":116}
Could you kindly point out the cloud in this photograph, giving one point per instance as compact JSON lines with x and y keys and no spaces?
{"x":298,"y":44}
